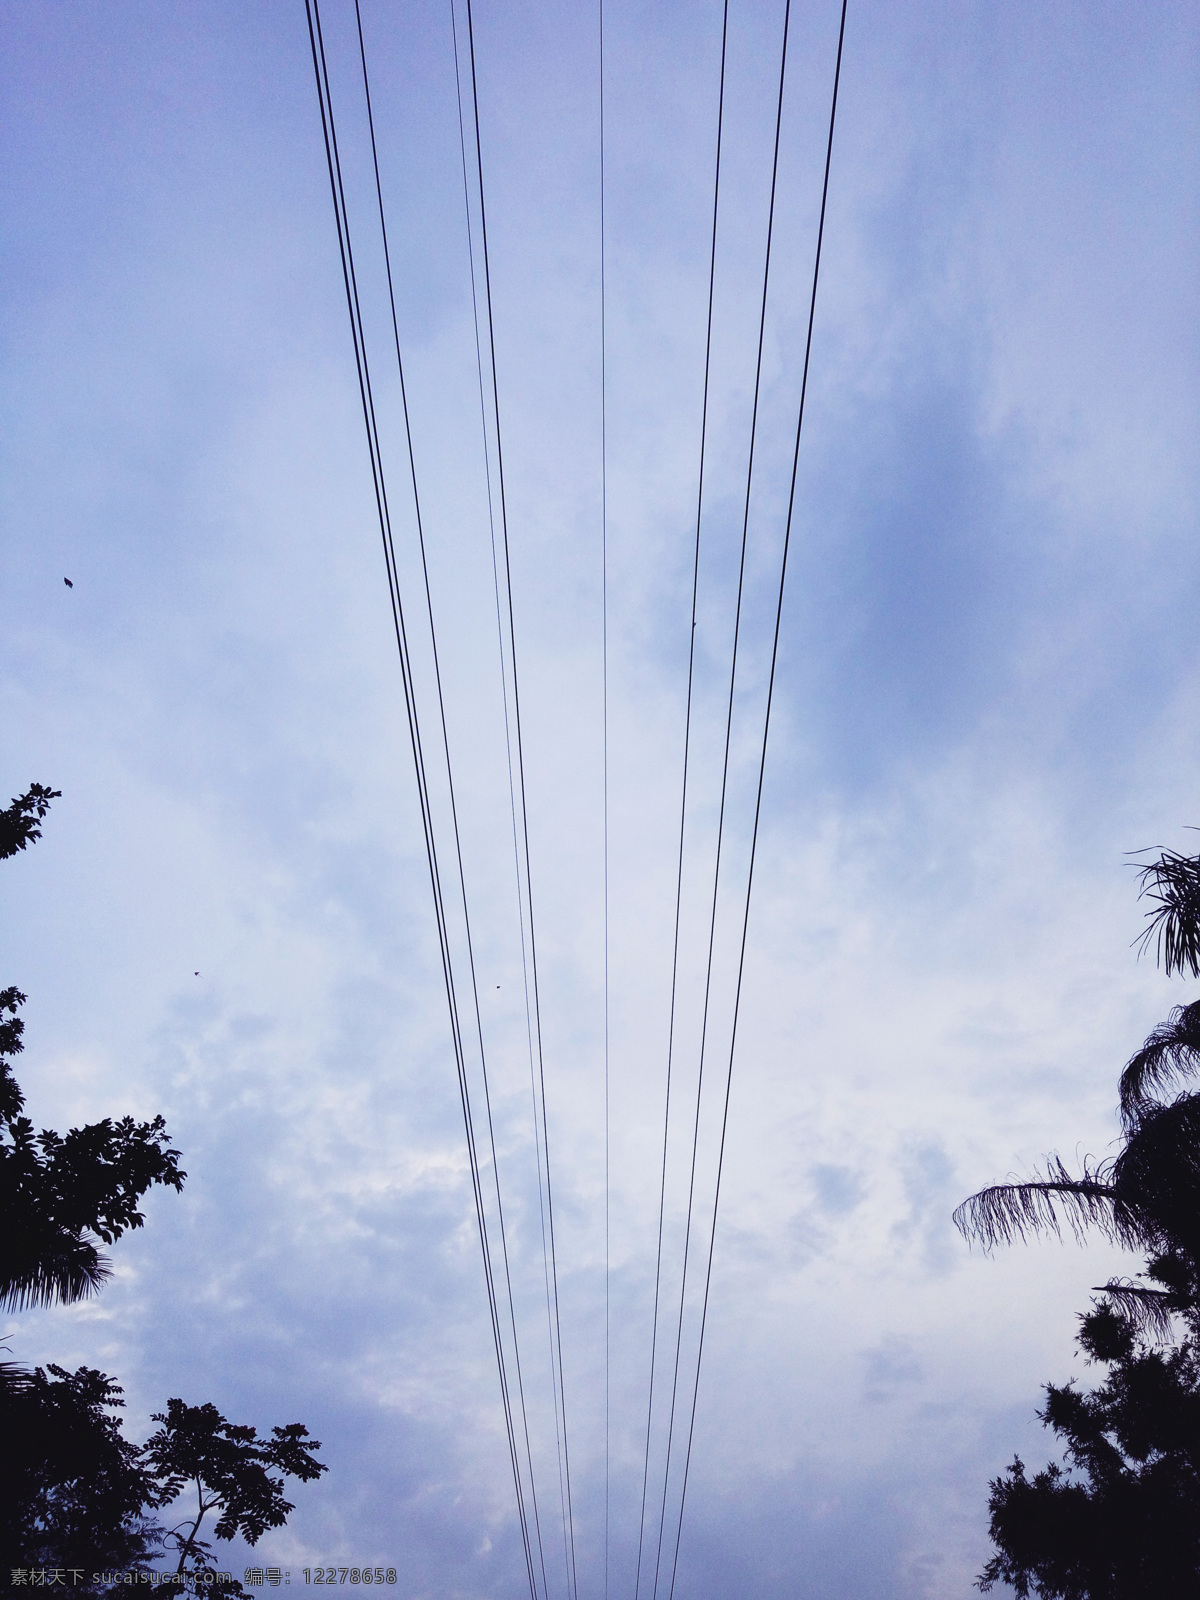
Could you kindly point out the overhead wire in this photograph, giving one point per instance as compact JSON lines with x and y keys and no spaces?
{"x":349,"y":274}
{"x":508,"y":746}
{"x":762,"y":766}
{"x":573,"y":1582}
{"x":604,"y":719}
{"x":508,"y":737}
{"x":712,"y":927}
{"x":662,"y":1197}
{"x":507,"y":732}
{"x":450,"y":782}
{"x":530,"y":1540}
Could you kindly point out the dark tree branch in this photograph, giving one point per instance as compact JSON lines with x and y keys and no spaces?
{"x":19,"y":821}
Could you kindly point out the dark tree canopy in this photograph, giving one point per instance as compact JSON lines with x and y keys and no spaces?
{"x":75,"y":1494}
{"x":73,"y":1490}
{"x":1171,"y":1051}
{"x":1122,"y":1520}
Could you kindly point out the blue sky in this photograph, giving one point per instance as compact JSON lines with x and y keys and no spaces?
{"x":988,"y":693}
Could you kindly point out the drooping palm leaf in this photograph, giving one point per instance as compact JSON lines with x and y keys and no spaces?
{"x":1147,"y":1198}
{"x":1173,"y":883}
{"x":14,"y":1379}
{"x":1172,"y":1050}
{"x":1010,"y":1211}
{"x":1149,"y":1310}
{"x":51,"y":1268}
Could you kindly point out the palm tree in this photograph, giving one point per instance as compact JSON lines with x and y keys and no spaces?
{"x":1147,"y":1197}
{"x":1172,"y":1050}
{"x":1173,"y":884}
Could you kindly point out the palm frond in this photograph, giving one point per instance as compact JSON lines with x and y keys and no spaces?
{"x":14,"y":1379}
{"x":1010,"y":1211}
{"x":1172,"y":1050}
{"x":1149,"y":1310}
{"x":1173,"y":884}
{"x":51,"y":1272}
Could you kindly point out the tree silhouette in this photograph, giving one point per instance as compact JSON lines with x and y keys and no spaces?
{"x":19,"y":822}
{"x":73,"y":1491}
{"x":60,"y":1196}
{"x":57,"y":1193}
{"x":1122,"y":1520}
{"x":228,"y":1467}
{"x":1173,"y":884}
{"x":1146,"y":1198}
{"x":1171,"y":1051}
{"x":75,"y":1495}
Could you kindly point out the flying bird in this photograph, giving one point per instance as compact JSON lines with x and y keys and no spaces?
{"x":68,"y":583}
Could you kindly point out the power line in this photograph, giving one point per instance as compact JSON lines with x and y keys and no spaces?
{"x":662,"y":1197}
{"x":333,"y":161}
{"x":525,"y":962}
{"x":604,"y":675}
{"x":512,"y":792}
{"x":812,"y":310}
{"x":762,"y":323}
{"x":512,"y":795}
{"x":450,"y":779}
{"x":562,"y":1403}
{"x":507,"y":735}
{"x":523,"y":847}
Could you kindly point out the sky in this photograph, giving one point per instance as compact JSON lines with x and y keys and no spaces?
{"x":987,"y":695}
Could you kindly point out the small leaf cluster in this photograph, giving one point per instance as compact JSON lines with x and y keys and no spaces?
{"x":230,"y":1466}
{"x":19,"y":822}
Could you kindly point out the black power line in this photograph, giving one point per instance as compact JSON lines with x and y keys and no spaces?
{"x":604,"y":715}
{"x":712,"y":927}
{"x":450,"y":784}
{"x":508,"y":746}
{"x":562,"y":1402}
{"x":812,"y":311}
{"x":662,"y":1195}
{"x":333,"y":162}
